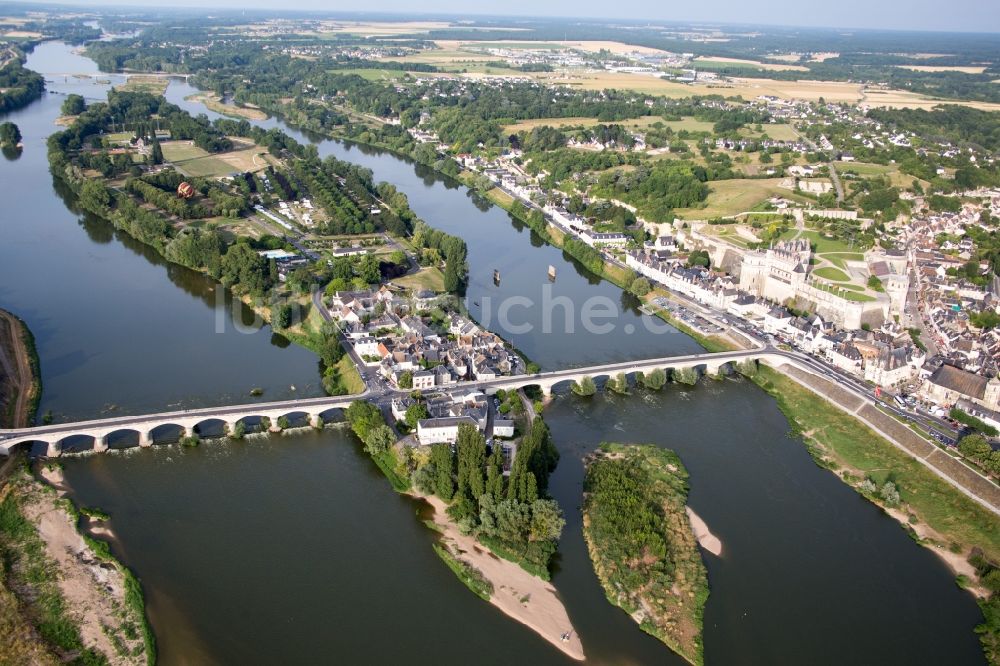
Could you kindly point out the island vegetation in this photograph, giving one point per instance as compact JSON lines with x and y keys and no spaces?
{"x":65,"y":598}
{"x":642,"y":544}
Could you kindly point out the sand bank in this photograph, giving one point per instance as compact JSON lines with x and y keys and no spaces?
{"x":526,"y":598}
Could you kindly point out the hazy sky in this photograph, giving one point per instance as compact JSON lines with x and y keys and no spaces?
{"x":972,"y":15}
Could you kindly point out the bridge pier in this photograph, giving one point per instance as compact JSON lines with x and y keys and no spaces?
{"x":100,"y":444}
{"x":315,"y":420}
{"x":145,"y":438}
{"x":53,"y":450}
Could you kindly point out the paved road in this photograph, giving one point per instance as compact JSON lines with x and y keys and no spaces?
{"x":835,"y":177}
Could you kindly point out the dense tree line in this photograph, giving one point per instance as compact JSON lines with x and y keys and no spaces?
{"x":20,"y":86}
{"x":510,"y":514}
{"x":656,"y":190}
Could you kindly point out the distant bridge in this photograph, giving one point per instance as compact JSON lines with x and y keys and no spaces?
{"x":187,"y":421}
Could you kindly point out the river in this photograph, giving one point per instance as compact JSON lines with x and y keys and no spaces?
{"x":294,"y":548}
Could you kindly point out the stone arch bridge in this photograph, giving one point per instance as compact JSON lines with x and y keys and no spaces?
{"x":55,"y":436}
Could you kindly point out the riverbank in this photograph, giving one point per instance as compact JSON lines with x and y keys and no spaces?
{"x":938,"y":516}
{"x":642,"y":543}
{"x":85,"y":606}
{"x":20,"y":374}
{"x":528,"y":599}
{"x":214,"y":103}
{"x":934,"y":512}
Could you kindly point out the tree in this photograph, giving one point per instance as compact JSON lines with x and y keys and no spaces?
{"x":471,"y":458}
{"x":406,"y":380}
{"x":585,"y":387}
{"x":10,"y":134}
{"x":443,"y":461}
{"x":640,"y":286}
{"x":379,"y":439}
{"x":73,"y":105}
{"x":655,"y":379}
{"x":415,"y":413}
{"x":975,"y":447}
{"x":618,"y":383}
{"x":243,"y":267}
{"x":156,"y":152}
{"x":283,"y":316}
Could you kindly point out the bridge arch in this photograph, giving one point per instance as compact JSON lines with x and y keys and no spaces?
{"x":211,"y":427}
{"x":164,"y":433}
{"x":123,"y":438}
{"x":78,"y":443}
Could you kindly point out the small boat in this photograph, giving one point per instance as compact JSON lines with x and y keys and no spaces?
{"x":496,"y":276}
{"x":552,"y":272}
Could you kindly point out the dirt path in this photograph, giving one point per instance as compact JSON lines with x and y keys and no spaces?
{"x":16,"y":368}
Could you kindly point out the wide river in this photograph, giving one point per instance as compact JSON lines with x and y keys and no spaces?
{"x":294,"y":549}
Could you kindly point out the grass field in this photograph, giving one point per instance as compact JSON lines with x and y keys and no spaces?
{"x":776,"y":131}
{"x":194,"y":161}
{"x":838,"y":259}
{"x":831,"y":273}
{"x":822,"y":244}
{"x":731,"y":197}
{"x":865,"y":168}
{"x":845,"y":292}
{"x":425,"y":278}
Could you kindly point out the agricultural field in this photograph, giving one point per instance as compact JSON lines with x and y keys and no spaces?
{"x":641,"y":123}
{"x":717,"y":62}
{"x":939,"y":68}
{"x":374,"y":74}
{"x":731,"y":197}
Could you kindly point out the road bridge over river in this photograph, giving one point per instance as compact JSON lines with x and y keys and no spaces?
{"x":312,"y":409}
{"x":839,"y":390}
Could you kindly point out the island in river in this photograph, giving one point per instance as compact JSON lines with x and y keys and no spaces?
{"x":642,"y":544}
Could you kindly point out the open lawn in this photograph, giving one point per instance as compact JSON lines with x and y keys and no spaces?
{"x":775,"y":131}
{"x":844,"y":291}
{"x":839,"y":258}
{"x":865,"y":168}
{"x":426,"y":278}
{"x":731,"y":197}
{"x":831,"y":273}
{"x":821,"y":243}
{"x":194,"y":161}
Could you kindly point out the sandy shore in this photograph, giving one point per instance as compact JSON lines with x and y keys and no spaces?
{"x":705,"y":538}
{"x":93,"y":589}
{"x":529,"y":600}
